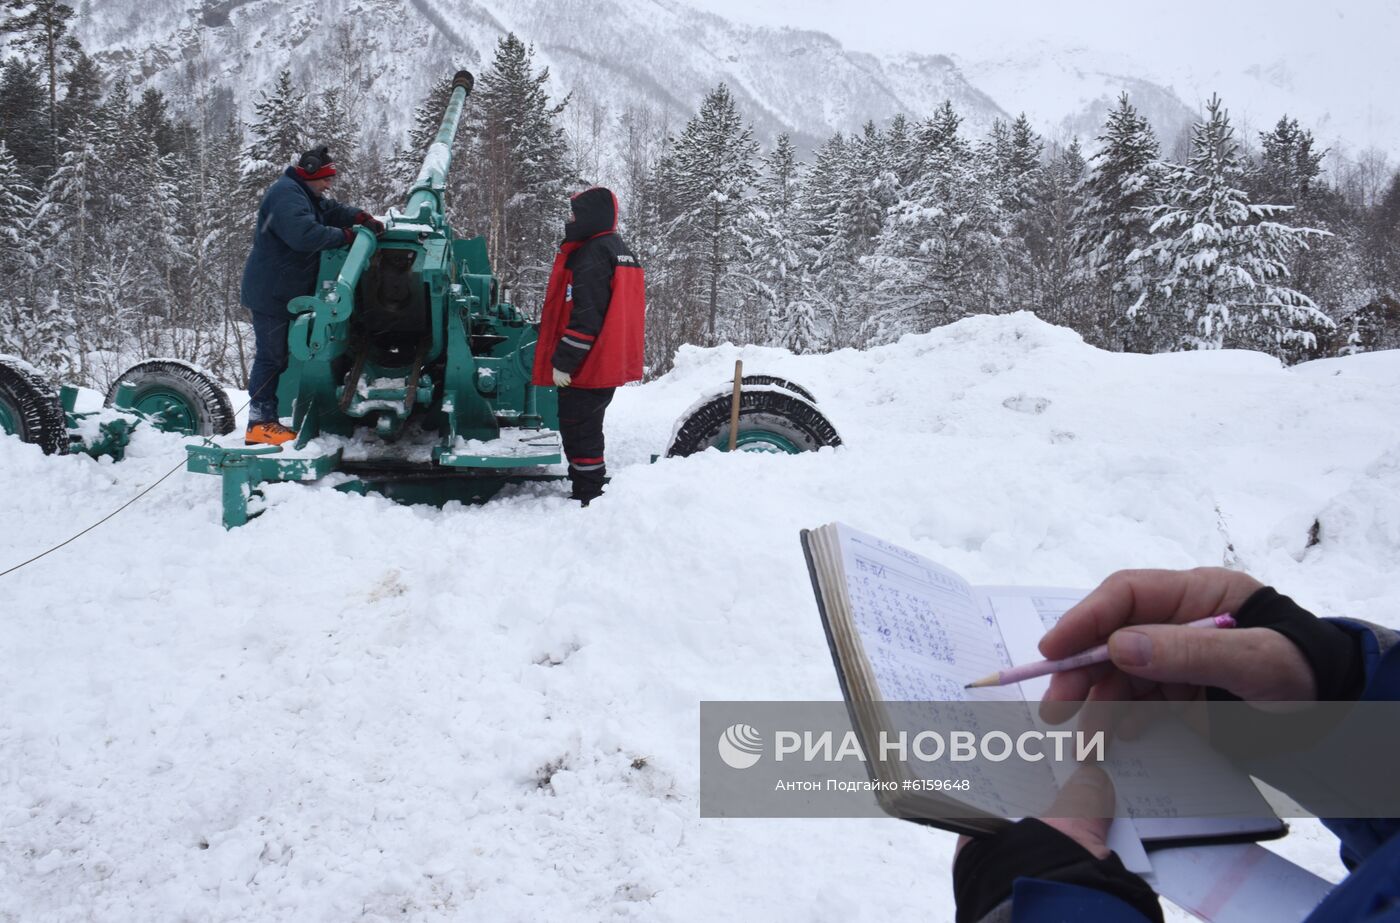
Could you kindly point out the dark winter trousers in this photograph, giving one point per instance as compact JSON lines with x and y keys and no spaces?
{"x":581,"y":413}
{"x":269,"y":362}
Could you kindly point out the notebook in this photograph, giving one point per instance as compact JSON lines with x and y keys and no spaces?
{"x":904,"y":629}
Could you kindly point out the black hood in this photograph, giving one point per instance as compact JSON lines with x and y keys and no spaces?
{"x":595,"y":212}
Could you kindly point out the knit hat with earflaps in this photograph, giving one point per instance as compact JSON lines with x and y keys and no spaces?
{"x":316,"y":163}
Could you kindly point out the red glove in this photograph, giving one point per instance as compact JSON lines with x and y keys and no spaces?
{"x":349,"y":235}
{"x":371,"y":222}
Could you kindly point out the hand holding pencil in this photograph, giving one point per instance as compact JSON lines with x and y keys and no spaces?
{"x":1138,"y":616}
{"x":1083,"y":659}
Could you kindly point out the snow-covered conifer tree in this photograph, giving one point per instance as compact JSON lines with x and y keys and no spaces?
{"x":1048,"y":230}
{"x":42,"y":28}
{"x":1290,"y":164}
{"x":24,"y":124}
{"x":1125,"y":179}
{"x":1219,"y":262}
{"x":278,"y":138}
{"x":777,"y":255}
{"x":330,"y":123}
{"x":939,"y":256}
{"x":709,"y":172}
{"x":514,"y":179}
{"x":833,"y":273}
{"x":17,"y":202}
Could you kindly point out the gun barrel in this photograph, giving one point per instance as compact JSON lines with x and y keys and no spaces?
{"x":432,"y":177}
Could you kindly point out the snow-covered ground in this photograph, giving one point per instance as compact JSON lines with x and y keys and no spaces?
{"x":353,"y":710}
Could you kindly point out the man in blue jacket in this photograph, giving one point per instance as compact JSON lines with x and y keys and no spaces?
{"x":1061,"y":868}
{"x":295,"y":223}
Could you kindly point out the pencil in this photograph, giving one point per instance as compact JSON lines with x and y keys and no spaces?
{"x":1083,"y":659}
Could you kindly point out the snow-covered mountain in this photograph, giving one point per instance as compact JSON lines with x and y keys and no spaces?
{"x":667,"y":53}
{"x":662,"y":53}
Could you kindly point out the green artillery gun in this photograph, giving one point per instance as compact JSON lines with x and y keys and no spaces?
{"x":407,"y":372}
{"x":408,"y":376}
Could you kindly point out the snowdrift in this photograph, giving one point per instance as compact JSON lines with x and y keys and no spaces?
{"x":353,"y":710}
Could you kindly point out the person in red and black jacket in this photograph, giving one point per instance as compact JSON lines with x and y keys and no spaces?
{"x":591,"y":332}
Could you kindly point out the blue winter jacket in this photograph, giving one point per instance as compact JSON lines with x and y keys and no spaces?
{"x":294,"y":226}
{"x":1370,"y":848}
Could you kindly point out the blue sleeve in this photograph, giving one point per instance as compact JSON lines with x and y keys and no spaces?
{"x":1036,"y":901}
{"x":1380,"y":654}
{"x":295,"y":224}
{"x":1371,"y":893}
{"x":337,"y":215}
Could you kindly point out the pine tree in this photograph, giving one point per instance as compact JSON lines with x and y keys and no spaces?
{"x":1382,"y":257}
{"x":709,"y":172}
{"x":51,"y":342}
{"x":329,"y":122}
{"x":1332,"y":267}
{"x":278,"y":138}
{"x":1014,"y":155}
{"x":1221,"y":262}
{"x":518,"y":169}
{"x":1125,"y":180}
{"x":82,"y":94}
{"x":24,"y":124}
{"x":1290,"y":166}
{"x":41,"y":26}
{"x":776,"y":253}
{"x":17,"y":203}
{"x":940,"y":255}
{"x":1048,"y":229}
{"x":222,"y":248}
{"x":1010,"y":158}
{"x":832,"y":285}
{"x":151,"y":118}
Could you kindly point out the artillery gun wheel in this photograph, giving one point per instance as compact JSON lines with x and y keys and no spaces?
{"x":771,"y":419}
{"x":177,"y":397}
{"x":777,"y":382}
{"x":29,"y":406}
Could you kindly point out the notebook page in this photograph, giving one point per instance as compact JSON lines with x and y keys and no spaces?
{"x":925,"y":638}
{"x":919,"y":624}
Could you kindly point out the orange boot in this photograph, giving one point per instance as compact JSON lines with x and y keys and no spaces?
{"x":273,"y":433}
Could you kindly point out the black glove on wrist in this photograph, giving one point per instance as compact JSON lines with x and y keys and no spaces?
{"x":987,"y":868}
{"x":1334,"y":653}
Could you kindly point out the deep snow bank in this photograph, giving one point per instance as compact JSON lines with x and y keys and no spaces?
{"x":349,"y":709}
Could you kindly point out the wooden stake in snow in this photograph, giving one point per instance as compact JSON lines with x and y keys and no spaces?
{"x":734,"y":404}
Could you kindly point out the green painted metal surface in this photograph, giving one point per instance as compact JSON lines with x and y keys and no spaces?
{"x":405,"y":335}
{"x":760,"y":440}
{"x":168,"y":411}
{"x":107,"y":431}
{"x":9,"y":419}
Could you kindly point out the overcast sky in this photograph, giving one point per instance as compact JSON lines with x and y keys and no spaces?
{"x":1162,"y":35}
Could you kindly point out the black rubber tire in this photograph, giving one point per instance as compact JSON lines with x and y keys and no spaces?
{"x":777,"y":382}
{"x":797,"y":420}
{"x":196,"y":388}
{"x":33,"y":405}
